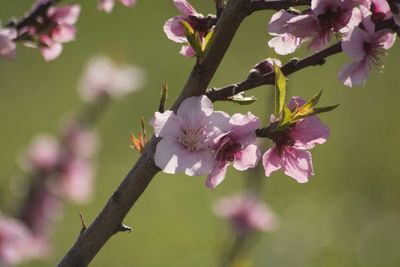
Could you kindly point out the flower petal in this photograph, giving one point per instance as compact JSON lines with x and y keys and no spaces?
{"x":166,"y":125}
{"x":309,"y":132}
{"x":217,"y":175}
{"x":185,"y":8}
{"x":247,"y":158}
{"x":297,"y":164}
{"x":271,"y":161}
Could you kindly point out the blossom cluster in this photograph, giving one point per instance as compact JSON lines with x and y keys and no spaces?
{"x":355,"y":22}
{"x":17,"y":243}
{"x":47,"y":33}
{"x":200,"y":141}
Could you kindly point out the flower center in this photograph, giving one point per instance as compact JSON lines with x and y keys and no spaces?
{"x":190,"y":138}
{"x":227,"y":150}
{"x":374,"y":51}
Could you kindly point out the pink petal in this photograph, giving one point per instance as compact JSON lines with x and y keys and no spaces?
{"x":187,"y":51}
{"x":284,"y":44}
{"x":244,"y":125}
{"x":7,"y":45}
{"x":185,"y":8}
{"x":174,"y":29}
{"x":355,"y":73}
{"x":167,"y":154}
{"x":166,"y":125}
{"x":353,"y":44}
{"x":247,"y":158}
{"x":385,"y":38}
{"x":63,"y":33}
{"x":68,"y":14}
{"x":52,"y":50}
{"x":217,"y":175}
{"x":271,"y":161}
{"x":106,"y":5}
{"x":278,"y":22}
{"x":309,"y":132}
{"x":303,"y":26}
{"x":196,"y":163}
{"x":194,"y":110}
{"x":297,"y":164}
{"x":128,"y":3}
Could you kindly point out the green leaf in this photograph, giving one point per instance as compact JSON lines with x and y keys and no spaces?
{"x":193,"y":38}
{"x":206,"y":41}
{"x":286,"y":116}
{"x":280,"y":90}
{"x":316,"y":111}
{"x":241,"y":99}
{"x":307,"y":108}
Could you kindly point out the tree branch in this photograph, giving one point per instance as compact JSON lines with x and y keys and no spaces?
{"x":109,"y":220}
{"x":30,"y":18}
{"x":258,"y":5}
{"x":222,"y":94}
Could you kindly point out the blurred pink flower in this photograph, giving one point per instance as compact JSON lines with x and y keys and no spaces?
{"x":7,"y":45}
{"x":43,"y":210}
{"x":365,"y":47}
{"x":76,"y":180}
{"x":103,"y":77}
{"x":108,"y":5}
{"x":17,"y":244}
{"x":187,"y":137}
{"x":290,"y":151}
{"x":79,"y":139}
{"x":246,"y":213}
{"x":237,"y":146}
{"x":43,"y":154}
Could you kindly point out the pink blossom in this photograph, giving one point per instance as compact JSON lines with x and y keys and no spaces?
{"x":290,"y":151}
{"x":237,"y":146}
{"x":188,"y":136}
{"x":108,"y":5}
{"x":365,"y":47}
{"x":175,"y":30}
{"x":246,"y":213}
{"x":43,"y":209}
{"x":316,"y":25}
{"x":76,"y":180}
{"x":79,"y":139}
{"x":43,"y":154}
{"x":104,"y":77}
{"x":7,"y":45}
{"x":56,"y":27}
{"x":17,"y":244}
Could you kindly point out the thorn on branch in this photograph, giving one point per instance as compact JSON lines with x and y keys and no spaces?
{"x":83,"y":224}
{"x":164,"y":96}
{"x":124,"y":228}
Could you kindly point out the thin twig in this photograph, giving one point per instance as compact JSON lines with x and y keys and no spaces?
{"x":222,"y":94}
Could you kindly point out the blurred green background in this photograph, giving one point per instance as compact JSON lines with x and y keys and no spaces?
{"x":347,"y":215}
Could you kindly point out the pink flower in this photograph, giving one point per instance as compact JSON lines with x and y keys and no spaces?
{"x":43,"y":154}
{"x":365,"y":47}
{"x":175,"y":30}
{"x":7,"y":45}
{"x":43,"y":209}
{"x":108,"y":5}
{"x":76,"y":180}
{"x":104,"y":77}
{"x":79,"y":139}
{"x":188,"y":136}
{"x":237,"y":146}
{"x":56,"y":27}
{"x":290,"y":152}
{"x":15,"y":242}
{"x":317,"y":25}
{"x":246,"y":213}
